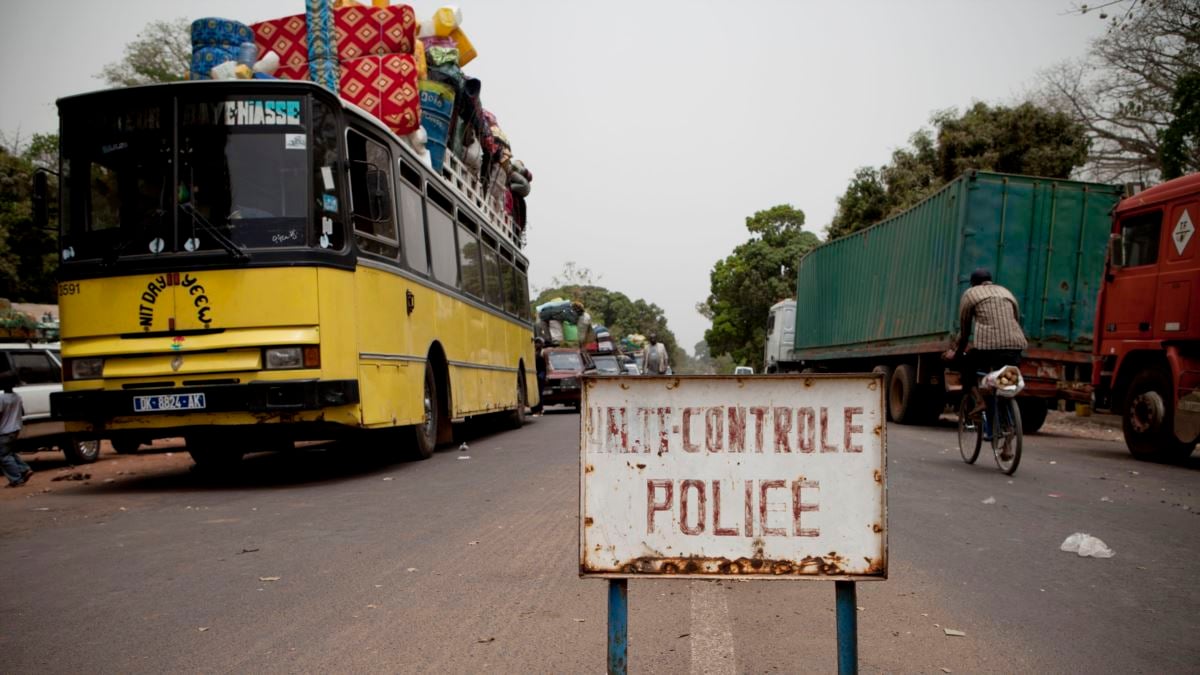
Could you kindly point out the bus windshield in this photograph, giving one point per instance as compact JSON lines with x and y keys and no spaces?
{"x":151,"y":178}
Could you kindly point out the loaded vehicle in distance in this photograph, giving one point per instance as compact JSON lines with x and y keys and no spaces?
{"x":886,"y":298}
{"x":1147,"y":346}
{"x":565,"y":367}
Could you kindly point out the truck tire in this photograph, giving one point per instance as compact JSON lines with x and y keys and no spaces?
{"x":903,"y":406}
{"x":1148,"y":418}
{"x":1033,"y":414}
{"x":80,"y":451}
{"x":886,"y":371}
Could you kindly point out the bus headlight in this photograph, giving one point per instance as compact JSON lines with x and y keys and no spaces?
{"x":283,"y":358}
{"x":84,"y":369}
{"x":280,"y":358}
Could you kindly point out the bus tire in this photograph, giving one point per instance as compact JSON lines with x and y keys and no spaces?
{"x":902,"y":395}
{"x":886,"y":371}
{"x":425,"y":434}
{"x":516,"y":417}
{"x":80,"y":451}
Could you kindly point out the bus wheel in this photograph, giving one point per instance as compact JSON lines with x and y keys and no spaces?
{"x":516,"y":418}
{"x":425,"y":433}
{"x":213,"y":456}
{"x":79,"y":451}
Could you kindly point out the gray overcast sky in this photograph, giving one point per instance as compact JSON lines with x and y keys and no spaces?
{"x":652,"y":128}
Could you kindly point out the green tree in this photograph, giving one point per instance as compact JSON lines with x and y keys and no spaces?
{"x":1123,"y":91}
{"x":162,"y":52}
{"x":1180,"y":146}
{"x":758,"y":273}
{"x":28,"y":255}
{"x":1023,"y":139}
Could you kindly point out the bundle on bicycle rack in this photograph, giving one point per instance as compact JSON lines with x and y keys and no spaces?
{"x":1005,"y":382}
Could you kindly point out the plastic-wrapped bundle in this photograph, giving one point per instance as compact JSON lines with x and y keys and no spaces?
{"x":217,"y":32}
{"x":437,"y":103}
{"x":558,"y":311}
{"x":204,"y":59}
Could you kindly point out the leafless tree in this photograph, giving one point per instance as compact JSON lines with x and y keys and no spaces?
{"x":1122,"y":90}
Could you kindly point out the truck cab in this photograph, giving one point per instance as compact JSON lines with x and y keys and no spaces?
{"x":1147,"y":346}
{"x":781,"y":331}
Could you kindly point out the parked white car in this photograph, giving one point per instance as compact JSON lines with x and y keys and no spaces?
{"x":39,"y":373}
{"x":743,"y":370}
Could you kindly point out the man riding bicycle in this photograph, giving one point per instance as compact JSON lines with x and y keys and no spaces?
{"x":999,"y":339}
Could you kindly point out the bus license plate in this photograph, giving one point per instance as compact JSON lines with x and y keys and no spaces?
{"x":165,"y":402}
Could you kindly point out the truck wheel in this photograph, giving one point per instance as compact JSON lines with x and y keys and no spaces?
{"x":886,"y":371}
{"x":79,"y":451}
{"x":425,"y":433}
{"x":902,"y":404}
{"x":1033,"y":414}
{"x":1148,"y":420}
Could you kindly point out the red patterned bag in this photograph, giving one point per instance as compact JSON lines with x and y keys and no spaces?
{"x":386,"y":87}
{"x":287,"y":37}
{"x":367,"y":31}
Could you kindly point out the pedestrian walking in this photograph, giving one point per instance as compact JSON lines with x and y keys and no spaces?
{"x":654,"y":360}
{"x":11,"y":411}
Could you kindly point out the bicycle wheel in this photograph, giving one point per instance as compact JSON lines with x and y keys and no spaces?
{"x":1007,"y":438}
{"x":970,"y":431}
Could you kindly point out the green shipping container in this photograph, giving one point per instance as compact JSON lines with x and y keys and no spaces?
{"x":894,"y":288}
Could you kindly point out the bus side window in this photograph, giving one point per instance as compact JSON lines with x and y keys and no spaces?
{"x":371,"y":196}
{"x":512,"y":294}
{"x":331,"y":234}
{"x":491,"y":273}
{"x":443,"y":255}
{"x":412,"y":225}
{"x":468,"y":260}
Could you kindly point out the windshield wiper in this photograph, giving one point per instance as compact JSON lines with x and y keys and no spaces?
{"x":226,"y":243}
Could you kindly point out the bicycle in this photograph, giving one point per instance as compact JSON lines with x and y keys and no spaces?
{"x":1006,"y":437}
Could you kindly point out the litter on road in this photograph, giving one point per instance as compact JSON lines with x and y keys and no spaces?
{"x":990,"y":500}
{"x":269,"y":578}
{"x":954,"y":633}
{"x":1086,"y":546}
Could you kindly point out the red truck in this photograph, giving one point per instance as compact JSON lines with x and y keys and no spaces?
{"x":1146,"y":364}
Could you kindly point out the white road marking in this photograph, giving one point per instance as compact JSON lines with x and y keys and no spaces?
{"x":712,"y":631}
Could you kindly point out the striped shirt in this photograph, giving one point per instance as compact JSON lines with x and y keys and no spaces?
{"x":995,"y":313}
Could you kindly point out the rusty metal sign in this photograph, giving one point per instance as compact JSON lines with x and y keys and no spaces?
{"x":772,"y":477}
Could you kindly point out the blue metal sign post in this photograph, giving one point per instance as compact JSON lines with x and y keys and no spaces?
{"x":847,"y":627}
{"x":618,"y":626}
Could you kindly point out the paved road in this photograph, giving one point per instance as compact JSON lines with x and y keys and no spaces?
{"x":469,"y":565}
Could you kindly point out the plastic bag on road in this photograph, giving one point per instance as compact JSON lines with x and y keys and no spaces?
{"x":1086,"y":546}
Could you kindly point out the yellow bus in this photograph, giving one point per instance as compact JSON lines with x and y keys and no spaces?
{"x":250,"y":263}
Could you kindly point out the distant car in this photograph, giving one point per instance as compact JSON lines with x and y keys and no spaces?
{"x":607,"y":364}
{"x":743,"y":370}
{"x":39,"y":373}
{"x":564,"y":366}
